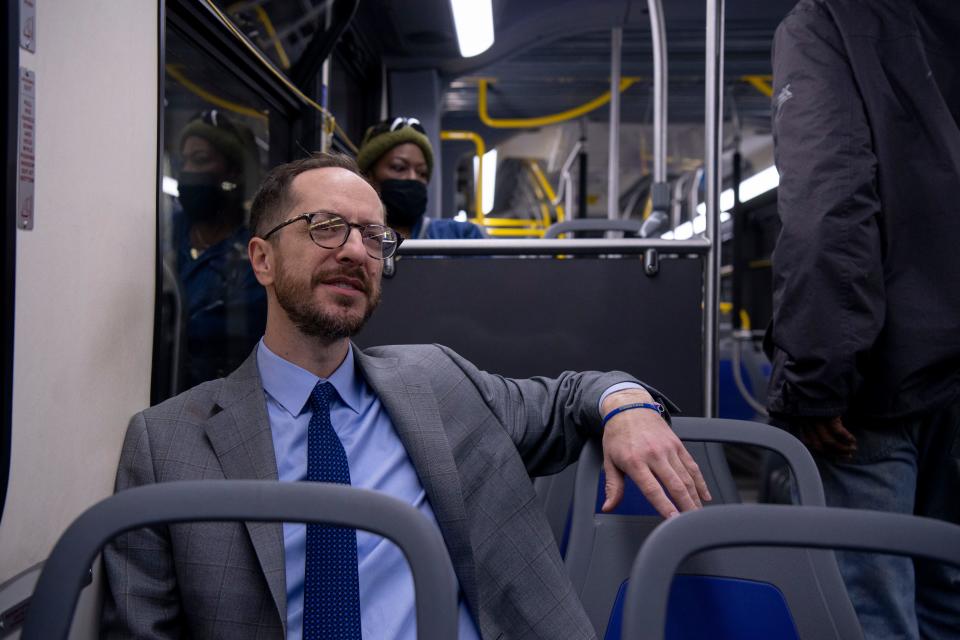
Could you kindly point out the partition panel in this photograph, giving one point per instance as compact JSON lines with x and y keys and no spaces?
{"x":525,"y":316}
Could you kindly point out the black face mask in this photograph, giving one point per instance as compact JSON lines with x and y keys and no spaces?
{"x":406,"y":200}
{"x":208,"y":198}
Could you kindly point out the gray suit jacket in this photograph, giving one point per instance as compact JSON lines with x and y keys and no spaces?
{"x":475,"y":440}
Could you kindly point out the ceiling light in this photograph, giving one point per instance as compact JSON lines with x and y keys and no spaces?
{"x":489,"y":179}
{"x":750,"y":188}
{"x":473,"y":20}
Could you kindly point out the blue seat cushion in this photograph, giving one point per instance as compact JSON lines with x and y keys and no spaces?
{"x":717,"y":608}
{"x":634,"y":503}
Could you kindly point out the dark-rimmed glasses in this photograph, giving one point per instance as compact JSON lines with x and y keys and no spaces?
{"x":330,"y":230}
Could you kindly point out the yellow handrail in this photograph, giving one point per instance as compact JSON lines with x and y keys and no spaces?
{"x":510,"y":222}
{"x":541,"y":121}
{"x":174,"y":72}
{"x":477,"y":141}
{"x":269,"y":66}
{"x":272,"y":34}
{"x":647,"y":208}
{"x":761,"y":83}
{"x":515,"y":233}
{"x":540,"y":195}
{"x":547,"y":189}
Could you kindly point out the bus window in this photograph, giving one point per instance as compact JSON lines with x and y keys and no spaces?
{"x":216,"y":146}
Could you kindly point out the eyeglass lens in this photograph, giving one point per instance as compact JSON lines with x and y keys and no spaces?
{"x":330,"y":231}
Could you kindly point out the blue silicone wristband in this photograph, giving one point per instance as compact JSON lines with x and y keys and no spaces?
{"x":653,"y":406}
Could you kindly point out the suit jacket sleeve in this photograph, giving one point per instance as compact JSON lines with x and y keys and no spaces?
{"x":142,"y":600}
{"x":828,"y":284}
{"x":548,"y":419}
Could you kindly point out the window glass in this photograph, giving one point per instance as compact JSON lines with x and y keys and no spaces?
{"x":215,"y":151}
{"x":281,"y":29}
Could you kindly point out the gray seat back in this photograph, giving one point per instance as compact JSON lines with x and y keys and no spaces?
{"x":602,"y":546}
{"x":631,"y":227}
{"x":768,"y":526}
{"x":555,"y":495}
{"x":65,"y":571}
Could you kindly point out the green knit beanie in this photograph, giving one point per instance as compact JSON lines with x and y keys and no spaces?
{"x":378,"y":140}
{"x":223,"y":140}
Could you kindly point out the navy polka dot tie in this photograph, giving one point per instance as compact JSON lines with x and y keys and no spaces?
{"x":331,"y":590}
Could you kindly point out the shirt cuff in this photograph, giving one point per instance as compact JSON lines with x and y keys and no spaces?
{"x":620,"y":386}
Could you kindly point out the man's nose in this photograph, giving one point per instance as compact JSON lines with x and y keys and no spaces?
{"x":353,"y":249}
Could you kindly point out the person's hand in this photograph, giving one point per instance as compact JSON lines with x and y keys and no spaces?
{"x":829,"y":437}
{"x":641,"y":444}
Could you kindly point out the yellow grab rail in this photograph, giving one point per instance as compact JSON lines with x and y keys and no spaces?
{"x":511,"y":222}
{"x":541,"y":121}
{"x":279,"y":75}
{"x":174,"y":72}
{"x":512,"y":227}
{"x":547,"y":189}
{"x":272,"y":34}
{"x":761,"y":83}
{"x":477,"y":141}
{"x":514,"y":233}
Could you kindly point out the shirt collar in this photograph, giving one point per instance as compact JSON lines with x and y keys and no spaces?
{"x":291,"y":385}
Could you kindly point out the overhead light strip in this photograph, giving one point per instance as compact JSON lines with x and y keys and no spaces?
{"x":473,"y":20}
{"x":754,"y":186}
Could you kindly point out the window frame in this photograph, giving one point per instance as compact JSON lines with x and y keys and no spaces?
{"x":201,"y":28}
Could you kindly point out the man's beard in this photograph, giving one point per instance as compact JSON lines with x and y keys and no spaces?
{"x":332,"y":321}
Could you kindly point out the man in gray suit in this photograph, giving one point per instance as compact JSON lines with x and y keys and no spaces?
{"x":417,"y":422}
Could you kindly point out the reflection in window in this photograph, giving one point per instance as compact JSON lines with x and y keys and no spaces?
{"x":216,"y":138}
{"x":282,"y":30}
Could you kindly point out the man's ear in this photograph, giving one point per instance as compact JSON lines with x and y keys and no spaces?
{"x":262,"y":260}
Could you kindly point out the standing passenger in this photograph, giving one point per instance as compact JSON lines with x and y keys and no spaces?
{"x":397,"y":157}
{"x":416,"y":422}
{"x":865,"y":338}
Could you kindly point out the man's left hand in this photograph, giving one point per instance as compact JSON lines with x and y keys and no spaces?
{"x":641,"y":444}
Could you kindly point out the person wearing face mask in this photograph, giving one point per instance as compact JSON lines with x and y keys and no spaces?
{"x":224,"y":307}
{"x":397,"y":158}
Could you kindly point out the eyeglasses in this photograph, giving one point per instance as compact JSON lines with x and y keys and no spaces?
{"x":394,"y":125}
{"x":331,"y":231}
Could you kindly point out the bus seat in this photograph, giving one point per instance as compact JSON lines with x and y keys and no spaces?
{"x":67,"y":569}
{"x":774,"y":527}
{"x":630,"y":227}
{"x":602,"y":545}
{"x":555,"y":494}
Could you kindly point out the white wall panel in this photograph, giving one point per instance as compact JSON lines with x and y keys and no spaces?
{"x":85,"y":274}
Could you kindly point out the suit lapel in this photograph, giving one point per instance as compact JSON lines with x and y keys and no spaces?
{"x":406,"y":394}
{"x":241,"y":439}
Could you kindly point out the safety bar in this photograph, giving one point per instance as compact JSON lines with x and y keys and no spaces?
{"x":771,"y":526}
{"x":595,"y":224}
{"x":551,"y":248}
{"x":713,"y":146}
{"x":480,"y":149}
{"x":65,"y":571}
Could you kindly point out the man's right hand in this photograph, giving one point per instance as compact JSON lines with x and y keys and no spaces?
{"x":829,"y":437}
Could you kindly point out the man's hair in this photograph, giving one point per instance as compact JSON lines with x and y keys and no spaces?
{"x":274,"y":197}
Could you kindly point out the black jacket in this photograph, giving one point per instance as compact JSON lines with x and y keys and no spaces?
{"x":866,"y":269}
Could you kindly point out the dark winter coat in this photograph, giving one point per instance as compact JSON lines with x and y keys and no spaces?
{"x":867,"y":267}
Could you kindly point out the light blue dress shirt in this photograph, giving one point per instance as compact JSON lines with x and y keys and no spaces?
{"x":378,"y":461}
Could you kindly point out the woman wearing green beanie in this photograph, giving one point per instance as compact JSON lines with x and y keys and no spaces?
{"x":397,"y":158}
{"x":225,"y":308}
